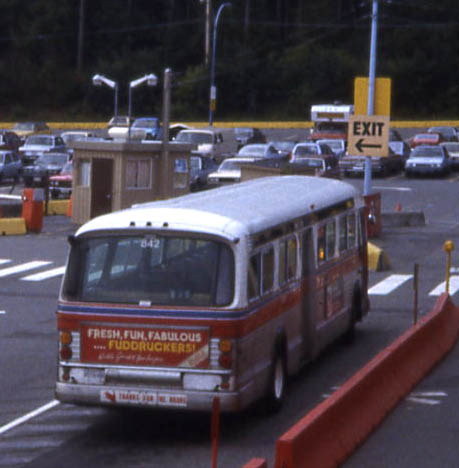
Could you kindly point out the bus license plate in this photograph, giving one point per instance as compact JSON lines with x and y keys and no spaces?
{"x":135,"y":397}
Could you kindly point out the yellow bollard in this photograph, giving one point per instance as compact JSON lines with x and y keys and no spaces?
{"x":448,"y":247}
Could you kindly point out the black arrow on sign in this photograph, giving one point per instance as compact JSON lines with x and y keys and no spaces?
{"x":360,"y":146}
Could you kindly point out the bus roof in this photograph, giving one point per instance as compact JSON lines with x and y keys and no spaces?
{"x":232,"y":211}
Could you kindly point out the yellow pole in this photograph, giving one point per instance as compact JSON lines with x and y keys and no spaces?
{"x":448,"y":247}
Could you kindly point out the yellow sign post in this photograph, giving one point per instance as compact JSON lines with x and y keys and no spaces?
{"x":382,"y":95}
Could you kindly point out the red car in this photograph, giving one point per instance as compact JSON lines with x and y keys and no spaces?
{"x":426,"y":139}
{"x":60,"y":185}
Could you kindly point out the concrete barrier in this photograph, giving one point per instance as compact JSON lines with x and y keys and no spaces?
{"x":377,"y":258}
{"x":57,"y":207}
{"x":12,"y":226}
{"x":329,"y":433}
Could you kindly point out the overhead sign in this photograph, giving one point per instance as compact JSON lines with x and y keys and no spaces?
{"x":368,"y":135}
{"x":382,"y":96}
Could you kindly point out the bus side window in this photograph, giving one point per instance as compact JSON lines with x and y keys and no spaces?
{"x":351,"y":233}
{"x":253,"y":280}
{"x":287,"y":260}
{"x":342,"y":226}
{"x":331,"y":239}
{"x":267,"y":282}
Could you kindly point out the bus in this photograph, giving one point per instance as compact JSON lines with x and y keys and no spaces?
{"x":223,"y":293}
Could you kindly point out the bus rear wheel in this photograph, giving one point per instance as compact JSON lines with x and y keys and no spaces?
{"x":277,"y":384}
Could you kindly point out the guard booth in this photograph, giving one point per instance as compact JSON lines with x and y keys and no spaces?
{"x":110,"y":175}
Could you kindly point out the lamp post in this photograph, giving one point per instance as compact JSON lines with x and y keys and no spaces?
{"x":213,"y":89}
{"x":98,"y":80}
{"x":151,"y":80}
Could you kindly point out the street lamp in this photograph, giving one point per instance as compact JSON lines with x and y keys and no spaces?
{"x":213,"y":89}
{"x":151,"y":80}
{"x":98,"y":80}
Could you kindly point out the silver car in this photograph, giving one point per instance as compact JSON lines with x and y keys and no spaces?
{"x":428,"y":160}
{"x":10,"y":166}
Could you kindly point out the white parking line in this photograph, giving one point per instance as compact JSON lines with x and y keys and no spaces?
{"x":441,"y":288}
{"x":4,"y":260}
{"x":22,"y":267}
{"x":45,"y":274}
{"x":388,"y":285}
{"x":29,"y":416}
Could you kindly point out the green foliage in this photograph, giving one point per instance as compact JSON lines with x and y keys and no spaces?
{"x":274,"y":58}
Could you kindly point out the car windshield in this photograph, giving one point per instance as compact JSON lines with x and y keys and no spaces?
{"x":305,"y":150}
{"x":448,"y":131}
{"x":229,"y":165}
{"x":145,"y":123}
{"x":57,"y":159}
{"x":335,"y":145}
{"x":198,"y":138}
{"x":243,"y":132}
{"x":150,"y":270}
{"x":427,"y":136}
{"x":452,"y":147}
{"x":252,"y":150}
{"x":283,"y":145}
{"x":40,"y":140}
{"x":427,"y":151}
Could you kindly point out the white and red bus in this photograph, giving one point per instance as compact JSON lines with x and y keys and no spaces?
{"x":221,"y":293}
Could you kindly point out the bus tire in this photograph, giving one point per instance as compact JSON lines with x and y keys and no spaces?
{"x":277,"y":383}
{"x":356,"y":315}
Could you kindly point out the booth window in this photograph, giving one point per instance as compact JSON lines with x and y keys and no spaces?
{"x":84,"y":174}
{"x":138,"y":173}
{"x":180,"y":173}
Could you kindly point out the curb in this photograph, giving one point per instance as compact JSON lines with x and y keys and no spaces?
{"x":12,"y":226}
{"x":377,"y":258}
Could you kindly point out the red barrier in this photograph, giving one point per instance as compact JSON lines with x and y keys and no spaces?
{"x":329,"y":433}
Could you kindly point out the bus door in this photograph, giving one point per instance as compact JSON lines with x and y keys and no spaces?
{"x":309,"y":295}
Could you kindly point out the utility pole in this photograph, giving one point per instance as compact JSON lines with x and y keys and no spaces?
{"x":371,"y":89}
{"x":80,"y":36}
{"x":166,"y":118}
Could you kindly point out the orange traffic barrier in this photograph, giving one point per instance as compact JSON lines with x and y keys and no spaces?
{"x":32,"y":209}
{"x":330,"y":432}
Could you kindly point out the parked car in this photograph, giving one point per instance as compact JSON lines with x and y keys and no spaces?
{"x":259,"y":150}
{"x":118,"y":121}
{"x":319,"y":166}
{"x":36,"y":145}
{"x":284,"y":147}
{"x":143,"y":128}
{"x":60,"y":185}
{"x":394,"y":135}
{"x":248,"y":135}
{"x":209,"y":142}
{"x":426,"y":139}
{"x":9,"y":140}
{"x":453,"y":151}
{"x":428,"y":160}
{"x":229,"y":171}
{"x":76,"y":135}
{"x":25,"y":129}
{"x":10,"y":165}
{"x":380,"y":165}
{"x":448,"y":133}
{"x":200,"y":168}
{"x":338,"y":146}
{"x":48,"y":164}
{"x":309,"y":149}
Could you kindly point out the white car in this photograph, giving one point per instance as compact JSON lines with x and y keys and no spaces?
{"x":209,"y":142}
{"x":428,"y":160}
{"x":35,"y":145}
{"x":229,"y":171}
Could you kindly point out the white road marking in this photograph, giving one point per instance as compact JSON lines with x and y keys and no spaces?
{"x":4,"y":260}
{"x":29,"y":416}
{"x":388,"y":285}
{"x":22,"y":267}
{"x":398,"y":189}
{"x":2,"y":312}
{"x":45,"y":274}
{"x":426,"y":398}
{"x":441,"y":288}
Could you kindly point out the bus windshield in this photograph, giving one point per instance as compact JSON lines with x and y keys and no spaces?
{"x":150,"y":270}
